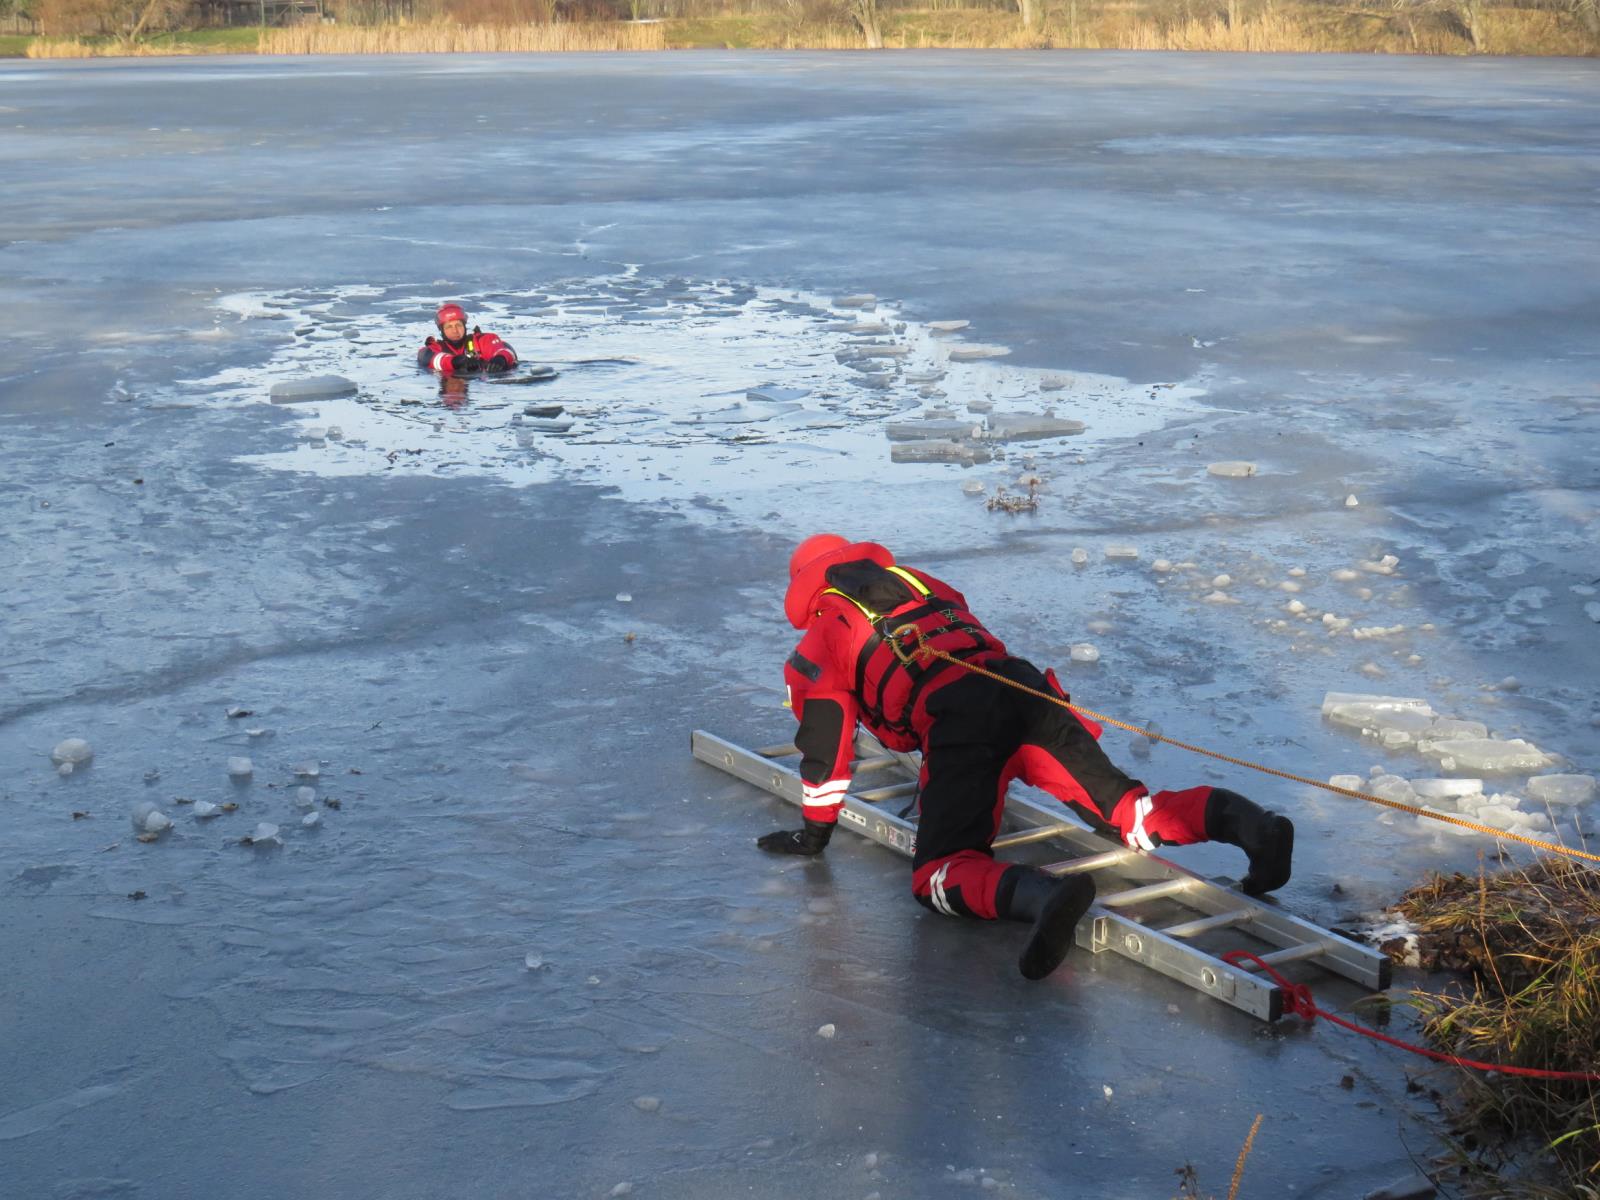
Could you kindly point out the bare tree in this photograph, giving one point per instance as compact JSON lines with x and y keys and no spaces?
{"x":865,"y":14}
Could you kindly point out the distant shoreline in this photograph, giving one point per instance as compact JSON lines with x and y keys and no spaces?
{"x":1458,"y":28}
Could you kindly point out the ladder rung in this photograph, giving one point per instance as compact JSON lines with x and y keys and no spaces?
{"x":875,"y":763}
{"x":781,"y":750}
{"x":1090,"y":862}
{"x":1039,"y":833}
{"x":888,"y":792}
{"x":1150,"y":891}
{"x":1189,"y":929}
{"x":1289,"y":954}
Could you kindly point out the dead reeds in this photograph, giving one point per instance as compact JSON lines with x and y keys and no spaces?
{"x":1529,"y":942}
{"x":445,"y":37}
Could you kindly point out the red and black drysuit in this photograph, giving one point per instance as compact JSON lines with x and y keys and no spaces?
{"x":476,"y":352}
{"x":976,"y":735}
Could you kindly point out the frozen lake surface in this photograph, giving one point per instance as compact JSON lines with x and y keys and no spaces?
{"x":1327,"y":324}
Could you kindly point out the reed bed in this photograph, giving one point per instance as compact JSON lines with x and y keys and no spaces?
{"x":447,"y":38}
{"x":1086,"y":25}
{"x":1529,"y":942}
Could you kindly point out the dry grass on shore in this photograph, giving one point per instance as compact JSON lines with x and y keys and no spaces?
{"x":448,"y":38}
{"x":1366,"y":26}
{"x":1530,"y":942}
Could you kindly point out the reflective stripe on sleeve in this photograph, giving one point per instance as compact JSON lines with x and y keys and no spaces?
{"x":1137,"y":837}
{"x":824,"y":795}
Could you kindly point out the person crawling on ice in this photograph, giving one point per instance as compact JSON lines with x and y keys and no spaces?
{"x":456,"y":352}
{"x":976,"y":735}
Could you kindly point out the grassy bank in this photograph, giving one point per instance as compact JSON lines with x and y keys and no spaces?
{"x":1377,"y":28}
{"x":1529,"y":943}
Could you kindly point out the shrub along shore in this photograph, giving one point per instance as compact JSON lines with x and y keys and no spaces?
{"x":1367,"y":26}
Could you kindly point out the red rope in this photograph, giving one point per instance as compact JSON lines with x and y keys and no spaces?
{"x":1297,"y":1002}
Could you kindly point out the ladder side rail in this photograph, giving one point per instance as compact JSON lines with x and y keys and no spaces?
{"x":1365,"y":965}
{"x":866,"y":819}
{"x":1105,"y":930}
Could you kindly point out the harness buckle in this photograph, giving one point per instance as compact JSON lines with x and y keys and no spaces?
{"x":913,"y":657}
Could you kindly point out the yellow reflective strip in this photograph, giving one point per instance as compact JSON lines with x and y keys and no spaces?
{"x":921,"y":588}
{"x":867,"y":612}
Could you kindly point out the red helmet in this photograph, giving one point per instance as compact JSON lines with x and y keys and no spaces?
{"x":449,"y":312}
{"x":808,"y":570}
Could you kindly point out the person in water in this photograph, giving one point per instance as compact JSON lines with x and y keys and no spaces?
{"x":457,"y":352}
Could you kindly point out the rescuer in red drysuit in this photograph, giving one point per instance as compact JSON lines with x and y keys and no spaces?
{"x":976,"y":735}
{"x":456,"y":352}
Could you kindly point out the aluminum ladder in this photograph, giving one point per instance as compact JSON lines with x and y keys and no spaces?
{"x":1147,"y":909}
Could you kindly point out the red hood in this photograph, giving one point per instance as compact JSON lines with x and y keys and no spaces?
{"x":800,"y":601}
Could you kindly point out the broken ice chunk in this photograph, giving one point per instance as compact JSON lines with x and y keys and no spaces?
{"x":776,"y":395}
{"x":1352,"y":783}
{"x":1084,"y":652}
{"x":972,"y":487}
{"x":1447,"y":789}
{"x":204,"y":808}
{"x":265,"y":832}
{"x":1392,"y":787}
{"x":937,"y":452}
{"x":308,"y":770}
{"x":305,"y":797}
{"x":927,"y":430}
{"x":647,"y":1103}
{"x":970,"y":353}
{"x":240,"y":767}
{"x":1231,"y":469}
{"x":312,"y":387}
{"x":858,"y":300}
{"x":1022,"y":427}
{"x":1354,"y":709}
{"x":1080,"y":556}
{"x":1487,"y":755}
{"x":1449,"y":729}
{"x":311,"y":820}
{"x":947,"y":326}
{"x":147,"y":818}
{"x":826,"y":1031}
{"x":1567,"y":790}
{"x":1122,"y":552}
{"x":1351,"y":502}
{"x":71,"y":752}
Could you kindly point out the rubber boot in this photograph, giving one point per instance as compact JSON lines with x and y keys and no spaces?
{"x":1265,"y":837}
{"x":1053,"y":905}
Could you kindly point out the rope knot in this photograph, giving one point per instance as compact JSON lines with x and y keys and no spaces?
{"x":1297,"y":999}
{"x":918,"y":656}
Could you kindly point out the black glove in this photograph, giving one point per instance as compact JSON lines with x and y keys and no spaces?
{"x":462,"y":362}
{"x":497,"y":365}
{"x":808,"y":841}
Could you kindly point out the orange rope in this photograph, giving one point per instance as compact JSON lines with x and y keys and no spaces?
{"x":923,"y":649}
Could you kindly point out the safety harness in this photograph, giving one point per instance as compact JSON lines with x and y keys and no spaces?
{"x":880,"y":661}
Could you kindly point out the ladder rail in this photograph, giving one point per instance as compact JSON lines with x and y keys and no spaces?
{"x":1147,"y":877}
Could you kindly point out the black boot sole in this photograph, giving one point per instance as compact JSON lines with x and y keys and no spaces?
{"x":1270,"y":865}
{"x":1052,"y":933}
